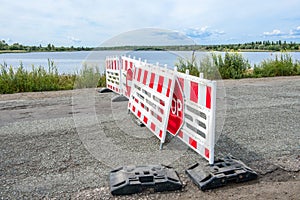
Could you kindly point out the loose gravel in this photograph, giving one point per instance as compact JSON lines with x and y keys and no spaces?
{"x":62,"y":145}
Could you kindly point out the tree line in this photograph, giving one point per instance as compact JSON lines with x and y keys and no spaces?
{"x":50,"y":47}
{"x":251,"y":46}
{"x":257,"y":46}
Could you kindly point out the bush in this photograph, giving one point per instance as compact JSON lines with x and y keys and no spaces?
{"x":232,"y":66}
{"x":282,"y":65}
{"x":40,"y":79}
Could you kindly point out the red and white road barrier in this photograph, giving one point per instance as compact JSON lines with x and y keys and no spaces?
{"x":151,"y":96}
{"x":192,"y":114}
{"x":166,"y":100}
{"x":119,"y":74}
{"x":113,"y":74}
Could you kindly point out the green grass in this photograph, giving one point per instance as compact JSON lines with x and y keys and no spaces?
{"x":234,"y":66}
{"x":282,"y":65}
{"x":41,"y":79}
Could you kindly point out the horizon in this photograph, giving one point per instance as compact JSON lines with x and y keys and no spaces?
{"x":150,"y":46}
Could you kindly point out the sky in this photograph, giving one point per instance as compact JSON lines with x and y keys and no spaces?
{"x":95,"y":22}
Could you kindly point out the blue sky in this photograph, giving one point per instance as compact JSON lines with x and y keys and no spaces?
{"x":91,"y":22}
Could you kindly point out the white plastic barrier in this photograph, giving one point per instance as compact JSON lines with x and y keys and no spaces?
{"x":151,"y":96}
{"x":113,"y":74}
{"x":166,"y":100}
{"x":192,"y":114}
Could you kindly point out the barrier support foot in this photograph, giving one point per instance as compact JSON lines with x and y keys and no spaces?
{"x":104,"y":90}
{"x":134,"y":179}
{"x":222,"y":172}
{"x":119,"y":98}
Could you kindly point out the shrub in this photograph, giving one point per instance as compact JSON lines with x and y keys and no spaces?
{"x":282,"y":65}
{"x":232,"y":66}
{"x":40,"y":79}
{"x":191,"y":65}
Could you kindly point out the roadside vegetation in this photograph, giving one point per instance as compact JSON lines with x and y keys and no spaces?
{"x":234,"y":66}
{"x":214,"y":66}
{"x":41,"y":79}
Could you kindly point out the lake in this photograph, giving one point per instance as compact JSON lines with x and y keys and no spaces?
{"x":70,"y":62}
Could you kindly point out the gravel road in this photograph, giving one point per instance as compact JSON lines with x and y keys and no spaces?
{"x":62,"y":145}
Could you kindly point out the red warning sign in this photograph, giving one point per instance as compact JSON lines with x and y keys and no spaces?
{"x":177,"y":109}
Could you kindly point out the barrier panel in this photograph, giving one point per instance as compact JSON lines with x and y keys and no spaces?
{"x":167,"y":100}
{"x":192,"y":114}
{"x":151,"y":96}
{"x":113,"y":74}
{"x":127,"y":74}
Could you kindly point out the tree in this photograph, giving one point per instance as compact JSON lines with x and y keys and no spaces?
{"x":49,"y":47}
{"x":3,"y":45}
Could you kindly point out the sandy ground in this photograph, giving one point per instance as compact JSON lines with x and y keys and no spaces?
{"x":63,"y":144}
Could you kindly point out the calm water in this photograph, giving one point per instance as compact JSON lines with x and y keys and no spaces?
{"x":70,"y":62}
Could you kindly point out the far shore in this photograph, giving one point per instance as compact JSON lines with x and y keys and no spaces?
{"x":201,"y":50}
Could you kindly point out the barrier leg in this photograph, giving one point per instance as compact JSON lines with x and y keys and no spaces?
{"x":161,"y":146}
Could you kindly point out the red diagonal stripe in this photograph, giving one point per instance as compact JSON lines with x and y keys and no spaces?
{"x":139,"y":75}
{"x":169,"y":88}
{"x":208,"y":97}
{"x":152,"y":126}
{"x":145,"y":119}
{"x":194,"y":92}
{"x":152,"y":80}
{"x":193,"y":142}
{"x":160,"y":84}
{"x":145,"y":77}
{"x":160,"y":133}
{"x":206,"y":153}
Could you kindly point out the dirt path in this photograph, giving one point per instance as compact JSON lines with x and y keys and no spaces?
{"x":63,"y":144}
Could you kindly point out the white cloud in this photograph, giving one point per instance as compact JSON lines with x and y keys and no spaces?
{"x":202,"y":32}
{"x":295,"y":32}
{"x":275,"y":32}
{"x":74,"y":40}
{"x":148,"y":37}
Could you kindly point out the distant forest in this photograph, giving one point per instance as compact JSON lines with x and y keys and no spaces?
{"x":16,"y":47}
{"x":252,"y":46}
